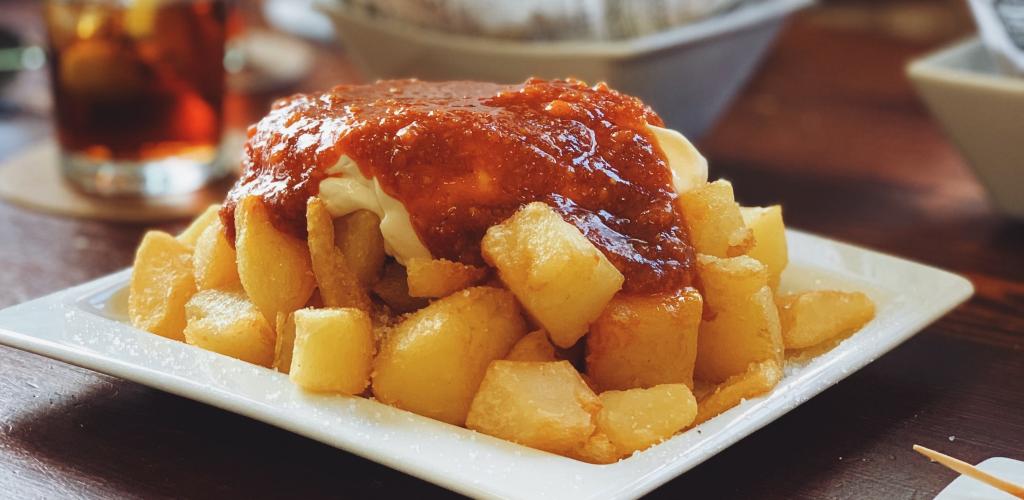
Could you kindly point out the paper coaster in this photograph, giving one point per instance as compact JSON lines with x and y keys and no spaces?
{"x":32,"y":179}
{"x":966,"y":488}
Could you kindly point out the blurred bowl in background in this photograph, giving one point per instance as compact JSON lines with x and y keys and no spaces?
{"x":688,"y":74}
{"x":982,"y":111}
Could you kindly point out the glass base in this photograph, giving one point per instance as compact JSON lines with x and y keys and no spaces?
{"x":158,"y":177}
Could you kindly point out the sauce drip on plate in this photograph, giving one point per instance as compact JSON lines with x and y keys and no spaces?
{"x":463,"y":156}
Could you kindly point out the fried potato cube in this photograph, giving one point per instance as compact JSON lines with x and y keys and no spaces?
{"x":432,"y":362}
{"x":756,"y":380}
{"x":214,"y":260}
{"x":636,"y":419}
{"x":227,"y":323}
{"x":741,"y":325}
{"x":562,"y":280}
{"x":769,"y":239}
{"x":358,"y":236}
{"x":162,"y":282}
{"x":714,"y":221}
{"x":333,"y":350}
{"x":643,"y":341}
{"x":191,"y":233}
{"x":810,"y":318}
{"x":284,"y":342}
{"x":274,"y":267}
{"x":535,"y":346}
{"x":338,"y":284}
{"x":393,"y":289}
{"x":542,"y":405}
{"x":597,"y":449}
{"x":440,"y":277}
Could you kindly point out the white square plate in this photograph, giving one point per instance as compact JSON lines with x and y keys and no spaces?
{"x":85,"y":326}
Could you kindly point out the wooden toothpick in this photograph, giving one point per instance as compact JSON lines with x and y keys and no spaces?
{"x":971,"y":471}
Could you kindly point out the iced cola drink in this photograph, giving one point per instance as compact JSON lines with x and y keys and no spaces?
{"x":138,"y":87}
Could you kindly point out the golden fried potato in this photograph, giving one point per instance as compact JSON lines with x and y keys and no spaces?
{"x":284,"y":342}
{"x":274,"y":267}
{"x":645,"y":340}
{"x":358,"y":236}
{"x":769,"y":239}
{"x":714,"y":221}
{"x":333,"y":350}
{"x":810,"y":318}
{"x":393,"y":289}
{"x":756,"y":380}
{"x":637,"y":419}
{"x":440,"y":277}
{"x":214,"y":260}
{"x":561,"y":279}
{"x":597,"y":449}
{"x":227,"y":323}
{"x":338,"y":284}
{"x":191,"y":233}
{"x":433,"y":361}
{"x":542,"y":405}
{"x":162,"y":281}
{"x":535,"y":346}
{"x":741,"y":325}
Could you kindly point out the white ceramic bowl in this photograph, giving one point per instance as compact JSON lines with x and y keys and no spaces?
{"x":687,"y":74}
{"x":982,"y":111}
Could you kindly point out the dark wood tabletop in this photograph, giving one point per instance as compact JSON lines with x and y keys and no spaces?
{"x":829,"y":127}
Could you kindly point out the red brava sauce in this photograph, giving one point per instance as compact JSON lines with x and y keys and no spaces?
{"x":463,"y":156}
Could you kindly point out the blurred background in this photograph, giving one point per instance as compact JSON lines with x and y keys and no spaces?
{"x":688,"y":65}
{"x":830,"y":85}
{"x":803,"y":103}
{"x":776,"y":91}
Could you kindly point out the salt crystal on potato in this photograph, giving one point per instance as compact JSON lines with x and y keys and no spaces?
{"x":756,"y":380}
{"x":637,"y":419}
{"x":645,"y":340}
{"x":432,"y":362}
{"x":741,"y":323}
{"x":544,"y":405}
{"x":809,"y":318}
{"x":215,"y":260}
{"x":769,"y":246}
{"x":714,"y":221}
{"x":338,"y":284}
{"x":440,"y":277}
{"x":162,"y":282}
{"x":333,"y":350}
{"x":562,"y":280}
{"x":274,"y":267}
{"x":228,"y":323}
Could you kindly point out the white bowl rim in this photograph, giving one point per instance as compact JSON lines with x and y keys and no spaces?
{"x":935,"y":66}
{"x":741,"y":17}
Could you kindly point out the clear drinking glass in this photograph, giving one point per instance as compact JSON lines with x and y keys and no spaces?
{"x":138,"y":91}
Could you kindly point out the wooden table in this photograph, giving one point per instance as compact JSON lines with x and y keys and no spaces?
{"x":829,"y":127}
